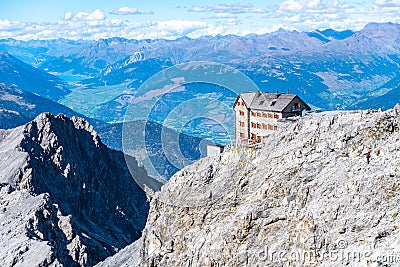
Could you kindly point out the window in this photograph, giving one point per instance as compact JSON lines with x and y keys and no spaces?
{"x":241,"y":135}
{"x":265,"y":127}
{"x":265,"y":115}
{"x":258,"y":126}
{"x":242,"y":123}
{"x":270,"y":127}
{"x":242,"y":103}
{"x":270,"y":115}
{"x":258,"y":114}
{"x":275,"y":127}
{"x":253,"y":114}
{"x":276,"y":116}
{"x":241,"y":113}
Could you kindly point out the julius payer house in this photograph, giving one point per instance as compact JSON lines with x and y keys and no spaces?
{"x":257,"y":114}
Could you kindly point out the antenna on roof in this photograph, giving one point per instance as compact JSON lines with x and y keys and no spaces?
{"x":288,"y":91}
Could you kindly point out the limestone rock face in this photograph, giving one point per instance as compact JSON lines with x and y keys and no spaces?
{"x":128,"y":257}
{"x":308,"y":198}
{"x":65,"y":199}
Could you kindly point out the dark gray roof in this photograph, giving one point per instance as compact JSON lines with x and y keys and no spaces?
{"x":267,"y":101}
{"x":247,"y":98}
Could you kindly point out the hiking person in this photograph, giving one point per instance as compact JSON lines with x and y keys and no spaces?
{"x":377,"y":152}
{"x":368,"y":156}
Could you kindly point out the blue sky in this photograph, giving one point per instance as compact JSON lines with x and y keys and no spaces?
{"x":95,"y":19}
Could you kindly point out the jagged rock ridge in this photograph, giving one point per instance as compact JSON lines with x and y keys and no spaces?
{"x":66,"y":199}
{"x":309,"y":190}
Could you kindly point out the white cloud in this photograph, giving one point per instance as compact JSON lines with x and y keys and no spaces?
{"x":391,"y":7}
{"x":96,"y":15}
{"x":68,"y":15}
{"x":179,"y":27}
{"x":313,"y":6}
{"x":240,"y":8}
{"x":221,"y":16}
{"x":129,"y":11}
{"x":295,"y":6}
{"x":387,"y":3}
{"x":232,"y":8}
{"x":231,"y":22}
{"x":170,"y":29}
{"x":200,"y":9}
{"x":223,"y":19}
{"x":305,"y":15}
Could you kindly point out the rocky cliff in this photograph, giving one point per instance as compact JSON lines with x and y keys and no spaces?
{"x":308,"y":198}
{"x":128,"y":257}
{"x":65,"y":198}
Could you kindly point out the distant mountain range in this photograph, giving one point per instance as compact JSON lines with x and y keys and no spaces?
{"x":329,"y":69}
{"x":99,"y":79}
{"x":92,"y":57}
{"x":341,"y":74}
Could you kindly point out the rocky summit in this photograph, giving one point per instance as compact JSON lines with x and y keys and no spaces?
{"x":307,"y":198}
{"x":65,"y":198}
